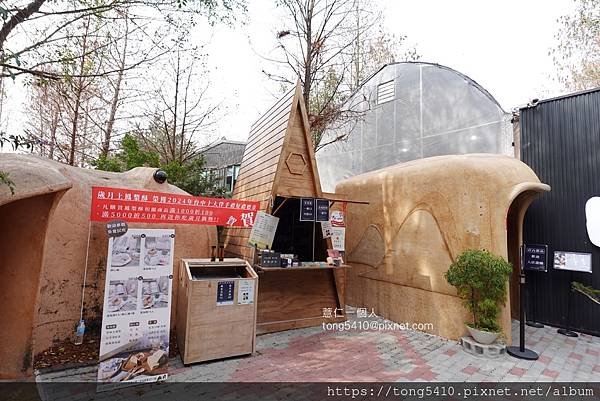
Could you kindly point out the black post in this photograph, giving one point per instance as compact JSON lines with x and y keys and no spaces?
{"x":521,"y":352}
{"x":566,"y":331}
{"x":533,"y":294}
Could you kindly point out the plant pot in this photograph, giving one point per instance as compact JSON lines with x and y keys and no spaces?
{"x":483,"y":337}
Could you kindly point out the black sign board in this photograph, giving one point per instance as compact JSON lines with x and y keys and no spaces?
{"x":322,"y":209}
{"x":116,"y":228}
{"x":270,"y":259}
{"x":535,"y":257}
{"x":225,"y":292}
{"x":307,"y":209}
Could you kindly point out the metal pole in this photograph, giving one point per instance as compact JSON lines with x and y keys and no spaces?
{"x":521,"y":352}
{"x":522,"y":312}
{"x":87,"y":252}
{"x":567,"y":331}
{"x":313,"y":242}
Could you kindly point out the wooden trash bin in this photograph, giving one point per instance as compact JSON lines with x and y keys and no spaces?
{"x":216,"y":309}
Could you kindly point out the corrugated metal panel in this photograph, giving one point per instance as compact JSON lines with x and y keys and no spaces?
{"x":560,"y":141}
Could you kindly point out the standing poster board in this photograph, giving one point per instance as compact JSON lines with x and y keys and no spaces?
{"x":263,"y":230}
{"x":134,"y":344}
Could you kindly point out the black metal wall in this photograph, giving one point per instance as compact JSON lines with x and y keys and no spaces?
{"x":560,"y":141}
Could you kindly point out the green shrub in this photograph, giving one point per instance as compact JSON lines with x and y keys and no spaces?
{"x":480,"y":278}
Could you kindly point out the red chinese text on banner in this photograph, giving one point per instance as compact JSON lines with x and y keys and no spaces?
{"x":136,"y":206}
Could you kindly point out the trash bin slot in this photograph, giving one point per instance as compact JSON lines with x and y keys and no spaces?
{"x":217,"y":272}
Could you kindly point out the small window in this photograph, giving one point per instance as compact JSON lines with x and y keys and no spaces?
{"x":385,"y":92}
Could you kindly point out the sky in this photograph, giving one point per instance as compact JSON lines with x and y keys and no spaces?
{"x":503,"y":45}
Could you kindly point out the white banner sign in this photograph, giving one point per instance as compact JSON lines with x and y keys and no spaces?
{"x":134,"y":345}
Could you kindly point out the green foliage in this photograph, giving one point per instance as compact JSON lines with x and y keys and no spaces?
{"x":5,"y":180}
{"x":189,"y":176}
{"x":192,"y":178}
{"x":588,"y":291}
{"x":480,"y":278}
{"x":130,"y":156}
{"x":16,"y":142}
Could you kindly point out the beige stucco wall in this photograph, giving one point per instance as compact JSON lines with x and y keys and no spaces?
{"x":420,"y":216}
{"x":56,"y":298}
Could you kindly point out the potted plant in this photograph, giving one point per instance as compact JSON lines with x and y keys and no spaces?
{"x":480,"y":278}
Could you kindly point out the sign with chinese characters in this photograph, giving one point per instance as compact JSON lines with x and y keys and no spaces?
{"x":263,"y":230}
{"x":225,"y":292}
{"x":322,"y":209}
{"x":134,"y":344}
{"x":307,"y":209}
{"x":136,"y":206}
{"x":579,"y":262}
{"x":245,"y":292}
{"x":535,"y":257}
{"x":338,"y":238}
{"x":116,"y":228}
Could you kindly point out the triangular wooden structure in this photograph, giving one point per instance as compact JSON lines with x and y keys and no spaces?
{"x":279,"y":164}
{"x":279,"y":160}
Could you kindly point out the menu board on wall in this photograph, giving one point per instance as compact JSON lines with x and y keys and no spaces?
{"x":136,"y":317}
{"x":322,"y":209}
{"x":579,"y":262}
{"x":307,"y":209}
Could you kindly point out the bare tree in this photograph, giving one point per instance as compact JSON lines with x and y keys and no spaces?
{"x":29,"y":27}
{"x":577,"y":54}
{"x":330,"y":46}
{"x":83,"y":81}
{"x":184,"y":111}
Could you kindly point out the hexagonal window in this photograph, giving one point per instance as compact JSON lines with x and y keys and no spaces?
{"x":296,"y":163}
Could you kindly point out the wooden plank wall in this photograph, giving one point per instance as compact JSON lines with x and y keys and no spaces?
{"x":298,"y":142}
{"x":259,"y":167}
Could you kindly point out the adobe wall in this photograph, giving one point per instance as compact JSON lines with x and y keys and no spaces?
{"x":57,"y":295}
{"x":421,"y":215}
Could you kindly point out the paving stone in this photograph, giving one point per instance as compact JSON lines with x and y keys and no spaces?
{"x":315,"y":355}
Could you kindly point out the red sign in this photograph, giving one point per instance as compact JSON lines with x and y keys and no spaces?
{"x":135,"y":206}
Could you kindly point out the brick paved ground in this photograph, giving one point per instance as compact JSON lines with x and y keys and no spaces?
{"x":313,"y":354}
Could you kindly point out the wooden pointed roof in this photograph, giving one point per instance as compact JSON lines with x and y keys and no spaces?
{"x":279,"y":160}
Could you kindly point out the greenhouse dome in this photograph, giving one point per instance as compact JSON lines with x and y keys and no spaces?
{"x":408,"y":111}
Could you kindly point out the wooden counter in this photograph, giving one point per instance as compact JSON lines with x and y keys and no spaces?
{"x":294,"y":297}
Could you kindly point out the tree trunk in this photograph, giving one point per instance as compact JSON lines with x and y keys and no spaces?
{"x":20,"y":16}
{"x":116,"y":96}
{"x":78,"y":91}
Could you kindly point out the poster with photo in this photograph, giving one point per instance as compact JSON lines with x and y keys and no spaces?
{"x":134,"y":344}
{"x":573,"y":261}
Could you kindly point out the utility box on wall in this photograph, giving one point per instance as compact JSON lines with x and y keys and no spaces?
{"x":216,"y":309}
